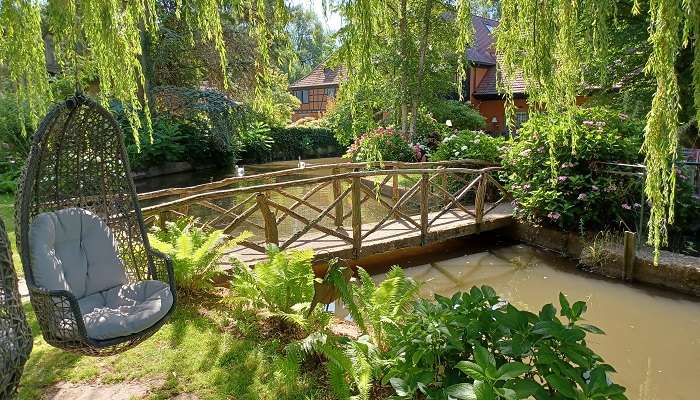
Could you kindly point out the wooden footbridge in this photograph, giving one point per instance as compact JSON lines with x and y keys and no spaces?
{"x":348,"y":210}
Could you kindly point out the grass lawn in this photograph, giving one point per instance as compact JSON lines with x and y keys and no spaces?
{"x":7,"y":213}
{"x":198,"y":351}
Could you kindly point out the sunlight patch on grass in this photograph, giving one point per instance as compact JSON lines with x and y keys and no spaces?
{"x":191,"y":354}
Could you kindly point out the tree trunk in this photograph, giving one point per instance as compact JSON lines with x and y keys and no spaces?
{"x":421,"y":66}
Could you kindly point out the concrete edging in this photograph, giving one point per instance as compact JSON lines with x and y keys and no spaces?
{"x":675,"y":271}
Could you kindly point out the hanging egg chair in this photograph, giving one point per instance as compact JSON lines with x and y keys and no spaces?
{"x":96,"y":285}
{"x":15,"y":335}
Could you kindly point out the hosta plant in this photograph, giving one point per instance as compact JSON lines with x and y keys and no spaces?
{"x":476,"y":346}
{"x":196,"y":252}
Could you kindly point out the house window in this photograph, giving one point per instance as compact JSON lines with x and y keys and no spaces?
{"x":520,"y":118}
{"x":330,"y":92}
{"x":302,"y":95}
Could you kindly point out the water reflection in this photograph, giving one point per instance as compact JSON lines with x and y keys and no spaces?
{"x":653,"y":336}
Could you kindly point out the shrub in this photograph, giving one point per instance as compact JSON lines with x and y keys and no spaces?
{"x":290,"y":143}
{"x":381,"y":144}
{"x":462,"y":115}
{"x":470,"y":144}
{"x":558,"y":185}
{"x":195,"y":253}
{"x":475,"y":346}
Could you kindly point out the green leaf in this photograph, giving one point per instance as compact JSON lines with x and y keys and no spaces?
{"x":592,"y":329}
{"x":512,"y":370}
{"x":483,"y":357}
{"x":562,"y":386}
{"x":525,"y":388}
{"x":565,"y":307}
{"x":400,"y":387}
{"x":578,"y":309}
{"x":462,"y":391}
{"x":471,"y":369}
{"x":484,"y":391}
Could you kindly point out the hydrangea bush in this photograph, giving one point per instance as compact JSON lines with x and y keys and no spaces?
{"x":560,"y":185}
{"x":381,"y":144}
{"x":470,"y":144}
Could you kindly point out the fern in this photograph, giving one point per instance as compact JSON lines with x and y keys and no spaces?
{"x":194,"y":251}
{"x":281,"y":287}
{"x":378,"y":308}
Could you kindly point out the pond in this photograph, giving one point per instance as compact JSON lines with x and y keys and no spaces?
{"x":652,"y":336}
{"x":199,"y":176}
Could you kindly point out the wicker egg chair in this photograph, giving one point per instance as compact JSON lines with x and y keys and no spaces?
{"x":82,"y":239}
{"x":15,"y":335}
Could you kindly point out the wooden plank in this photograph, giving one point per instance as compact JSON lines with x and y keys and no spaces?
{"x":338,"y":220}
{"x":305,"y":198}
{"x":314,"y":223}
{"x":424,"y":187}
{"x":306,"y":221}
{"x":356,"y":217}
{"x":393,"y":236}
{"x":269,"y":218}
{"x":396,"y":206}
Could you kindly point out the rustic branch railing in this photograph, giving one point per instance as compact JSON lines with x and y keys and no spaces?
{"x":350,"y":204}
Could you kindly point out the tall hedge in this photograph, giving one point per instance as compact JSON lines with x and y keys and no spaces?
{"x":291,"y":143}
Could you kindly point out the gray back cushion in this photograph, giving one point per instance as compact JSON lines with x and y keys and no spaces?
{"x":74,"y":250}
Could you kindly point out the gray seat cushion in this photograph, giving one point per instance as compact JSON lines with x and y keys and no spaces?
{"x":124,"y":310}
{"x":74,"y":250}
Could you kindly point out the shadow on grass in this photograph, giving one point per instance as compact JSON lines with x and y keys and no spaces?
{"x":192,"y":353}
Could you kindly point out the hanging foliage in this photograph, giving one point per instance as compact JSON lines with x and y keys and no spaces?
{"x":108,"y":35}
{"x":555,"y":43}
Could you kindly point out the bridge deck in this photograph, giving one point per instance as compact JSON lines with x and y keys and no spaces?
{"x":393,"y":235}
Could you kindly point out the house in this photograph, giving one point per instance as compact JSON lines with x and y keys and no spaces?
{"x":315,"y":91}
{"x":480,"y":83}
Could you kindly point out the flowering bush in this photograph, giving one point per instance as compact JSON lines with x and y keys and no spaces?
{"x":469,"y":144}
{"x":381,"y":144}
{"x":559,"y":185}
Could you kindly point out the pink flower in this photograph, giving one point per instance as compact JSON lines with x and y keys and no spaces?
{"x":563,"y":178}
{"x":554,"y":216}
{"x":626,"y":206}
{"x":582,"y":197}
{"x":526,"y":186}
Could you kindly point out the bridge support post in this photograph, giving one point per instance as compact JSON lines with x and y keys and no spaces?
{"x":336,"y":193}
{"x":395,"y":189}
{"x":424,"y":187}
{"x":479,"y":201}
{"x":269,"y":218}
{"x":356,"y":217}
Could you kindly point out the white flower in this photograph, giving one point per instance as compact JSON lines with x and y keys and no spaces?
{"x":464,"y":147}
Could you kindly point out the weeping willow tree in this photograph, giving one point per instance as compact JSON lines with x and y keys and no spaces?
{"x":411,"y":46}
{"x":109,"y":33}
{"x":555,"y":43}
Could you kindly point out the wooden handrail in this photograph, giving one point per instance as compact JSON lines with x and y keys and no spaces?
{"x":225,"y":207}
{"x":190,"y":190}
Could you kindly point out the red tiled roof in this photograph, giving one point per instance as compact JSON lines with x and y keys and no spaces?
{"x":320,"y":76}
{"x":482,"y":51}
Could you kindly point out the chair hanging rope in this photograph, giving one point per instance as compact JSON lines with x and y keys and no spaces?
{"x":96,"y":285}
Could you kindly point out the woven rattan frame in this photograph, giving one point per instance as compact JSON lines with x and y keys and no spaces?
{"x":15,"y":335}
{"x":78,"y":159}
